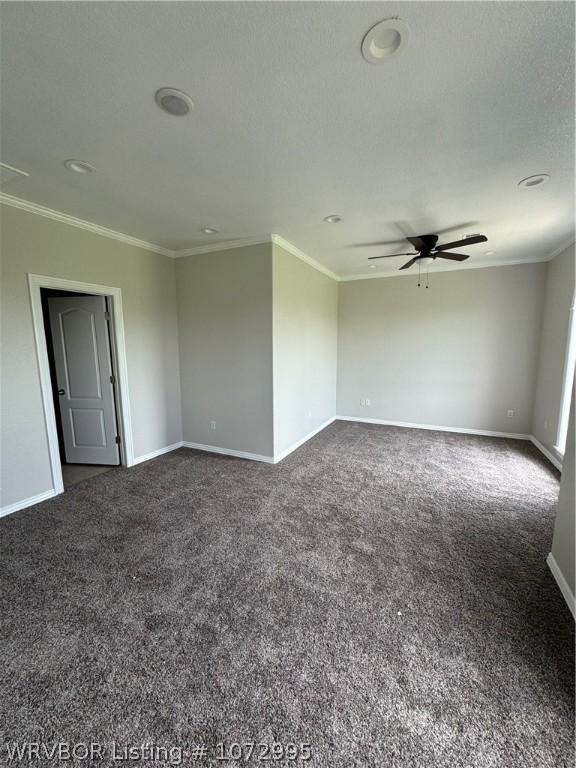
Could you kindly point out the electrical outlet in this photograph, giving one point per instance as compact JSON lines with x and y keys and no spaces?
{"x":212,"y":425}
{"x":367,"y":402}
{"x":362,"y":402}
{"x":510,"y":414}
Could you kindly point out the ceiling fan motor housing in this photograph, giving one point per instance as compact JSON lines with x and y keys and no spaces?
{"x":428,"y":243}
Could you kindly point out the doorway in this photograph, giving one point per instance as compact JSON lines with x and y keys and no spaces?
{"x":80,"y":347}
{"x":82,"y":366}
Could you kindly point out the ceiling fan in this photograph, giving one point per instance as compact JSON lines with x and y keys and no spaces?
{"x":427,"y":250}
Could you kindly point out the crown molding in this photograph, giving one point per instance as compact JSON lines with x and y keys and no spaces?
{"x":64,"y":218}
{"x":221,"y":246}
{"x":561,"y":248}
{"x":455,"y":268}
{"x":272,"y":238}
{"x":470,"y":265}
{"x":288,"y":246}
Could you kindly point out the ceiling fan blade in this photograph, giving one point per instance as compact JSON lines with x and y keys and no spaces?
{"x":461,"y":243}
{"x":408,"y":264}
{"x":379,"y":243}
{"x":391,"y":255}
{"x":452,"y":256}
{"x":417,"y":242}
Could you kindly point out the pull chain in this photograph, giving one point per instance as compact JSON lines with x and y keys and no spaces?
{"x":418,"y":273}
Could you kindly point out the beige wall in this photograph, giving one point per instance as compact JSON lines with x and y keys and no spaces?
{"x":305,"y":348}
{"x":459,"y":354}
{"x":559,"y":296}
{"x":225,"y":320}
{"x":31,"y":243}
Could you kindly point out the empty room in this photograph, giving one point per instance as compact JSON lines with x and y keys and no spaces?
{"x":287,"y":388}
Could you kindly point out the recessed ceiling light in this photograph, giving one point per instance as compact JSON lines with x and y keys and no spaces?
{"x":210,"y":230}
{"x":372,"y":266}
{"x":173,"y":101}
{"x":332,"y":219}
{"x":488,"y":253}
{"x":79,"y":166}
{"x":534,"y":181}
{"x":384,"y":40}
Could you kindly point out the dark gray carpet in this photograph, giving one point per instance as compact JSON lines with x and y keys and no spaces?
{"x":381,"y":594}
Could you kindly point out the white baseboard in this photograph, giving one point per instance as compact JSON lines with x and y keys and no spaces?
{"x":154,"y":454}
{"x":435,"y":428}
{"x":562,"y":583}
{"x":279,"y":456}
{"x":461,"y":430}
{"x":228,"y":452}
{"x":549,"y":455}
{"x":17,"y":506}
{"x":255,"y":456}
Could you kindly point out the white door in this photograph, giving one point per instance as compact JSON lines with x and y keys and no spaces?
{"x":83,"y":363}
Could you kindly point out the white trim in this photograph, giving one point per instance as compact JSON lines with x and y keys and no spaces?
{"x":549,"y":455}
{"x":459,"y":430}
{"x":287,"y":246}
{"x":562,"y":584}
{"x":448,"y":268}
{"x":18,"y":505}
{"x":50,"y":213}
{"x":456,"y":266}
{"x":567,"y":379}
{"x":435,"y":427}
{"x":45,"y":384}
{"x":561,"y":248}
{"x":278,"y":457}
{"x":35,"y":283}
{"x":221,"y":246}
{"x":154,"y":454}
{"x":64,"y":218}
{"x":275,"y":239}
{"x":16,"y":171}
{"x":228,"y":452}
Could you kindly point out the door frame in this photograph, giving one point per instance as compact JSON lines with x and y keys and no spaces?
{"x":117,"y":350}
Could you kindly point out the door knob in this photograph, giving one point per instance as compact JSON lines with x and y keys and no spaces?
{"x":61,"y":392}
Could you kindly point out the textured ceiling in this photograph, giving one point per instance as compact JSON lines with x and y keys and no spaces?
{"x":291,"y":124}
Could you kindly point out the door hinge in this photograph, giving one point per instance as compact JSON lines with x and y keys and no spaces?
{"x":117,"y":441}
{"x":112,"y":379}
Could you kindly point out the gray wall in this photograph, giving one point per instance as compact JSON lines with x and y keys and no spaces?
{"x":563,"y":549}
{"x":225,"y":321}
{"x":258,"y":345}
{"x":31,"y":243}
{"x":305,"y":348}
{"x":459,"y":354}
{"x":559,"y":295}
